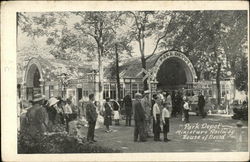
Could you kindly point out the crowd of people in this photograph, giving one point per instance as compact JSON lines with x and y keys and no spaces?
{"x":151,"y":115}
{"x":49,"y":115}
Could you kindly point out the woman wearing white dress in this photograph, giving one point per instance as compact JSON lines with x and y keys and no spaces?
{"x":116,"y":109}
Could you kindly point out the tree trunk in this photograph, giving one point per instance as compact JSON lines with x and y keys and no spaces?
{"x":218,"y":84}
{"x":117,"y":73}
{"x":100,"y":84}
{"x":143,"y":60}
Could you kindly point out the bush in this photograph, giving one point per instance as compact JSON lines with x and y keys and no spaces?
{"x":241,"y":112}
{"x":57,"y":143}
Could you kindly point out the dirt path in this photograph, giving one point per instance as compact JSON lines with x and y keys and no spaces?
{"x":122,"y":138}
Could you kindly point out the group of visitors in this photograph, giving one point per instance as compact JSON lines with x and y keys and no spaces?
{"x":162,"y":106}
{"x":45,"y":115}
{"x":158,"y":110}
{"x":149,"y":113}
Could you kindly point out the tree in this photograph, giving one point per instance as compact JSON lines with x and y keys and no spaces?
{"x":218,"y":28}
{"x":209,"y":39}
{"x":235,"y":45}
{"x":94,"y":35}
{"x":102,"y":28}
{"x":149,"y":24}
{"x":54,"y":27}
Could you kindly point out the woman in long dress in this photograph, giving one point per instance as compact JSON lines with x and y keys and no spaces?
{"x":116,"y":108}
{"x":107,"y":115}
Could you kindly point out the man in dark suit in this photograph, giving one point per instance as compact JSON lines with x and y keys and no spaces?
{"x":139,"y":117}
{"x":201,"y":104}
{"x":128,"y":109}
{"x":91,"y":116}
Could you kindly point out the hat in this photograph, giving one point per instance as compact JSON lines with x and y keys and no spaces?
{"x":53,"y":101}
{"x":38,"y":97}
{"x":147,"y":91}
{"x":137,"y":95}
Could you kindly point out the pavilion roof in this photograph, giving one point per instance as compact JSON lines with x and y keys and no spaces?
{"x":131,"y":67}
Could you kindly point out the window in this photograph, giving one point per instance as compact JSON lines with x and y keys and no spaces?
{"x":223,"y":90}
{"x":134,"y":89}
{"x":141,"y":90}
{"x":127,"y":88}
{"x":113,"y":91}
{"x":210,"y":90}
{"x":85,"y":93}
{"x":105,"y":91}
{"x":29,"y":93}
{"x":51,"y":91}
{"x":121,"y":91}
{"x":153,"y":87}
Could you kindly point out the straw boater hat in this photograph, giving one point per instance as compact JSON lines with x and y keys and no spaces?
{"x":53,"y":101}
{"x":138,"y":95}
{"x":38,"y":97}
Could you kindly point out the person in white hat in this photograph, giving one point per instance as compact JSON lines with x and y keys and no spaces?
{"x":52,"y":109}
{"x":37,"y":117}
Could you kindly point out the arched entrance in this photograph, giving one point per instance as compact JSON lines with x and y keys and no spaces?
{"x":33,"y":79}
{"x":173,"y":70}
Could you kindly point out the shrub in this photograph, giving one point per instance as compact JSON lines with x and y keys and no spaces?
{"x":57,"y":143}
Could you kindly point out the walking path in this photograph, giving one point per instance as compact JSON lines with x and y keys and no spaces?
{"x":122,"y":138}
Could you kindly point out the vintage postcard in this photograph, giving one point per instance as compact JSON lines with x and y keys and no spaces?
{"x":125,"y":81}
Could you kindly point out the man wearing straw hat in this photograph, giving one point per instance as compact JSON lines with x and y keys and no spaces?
{"x":37,"y":116}
{"x":139,"y":117}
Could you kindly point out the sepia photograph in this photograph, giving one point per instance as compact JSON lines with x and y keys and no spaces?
{"x":131,"y":81}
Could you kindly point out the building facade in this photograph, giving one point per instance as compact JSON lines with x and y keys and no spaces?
{"x":168,"y":71}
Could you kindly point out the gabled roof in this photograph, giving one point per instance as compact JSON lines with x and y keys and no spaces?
{"x":132,"y":67}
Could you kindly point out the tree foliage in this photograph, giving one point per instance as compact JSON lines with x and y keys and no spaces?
{"x":215,"y":41}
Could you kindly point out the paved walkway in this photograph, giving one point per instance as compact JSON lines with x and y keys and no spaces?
{"x":122,"y":138}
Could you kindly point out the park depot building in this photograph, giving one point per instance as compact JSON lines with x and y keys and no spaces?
{"x":168,"y":70}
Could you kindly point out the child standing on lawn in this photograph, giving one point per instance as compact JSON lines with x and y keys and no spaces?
{"x":186,"y":109}
{"x":165,"y":120}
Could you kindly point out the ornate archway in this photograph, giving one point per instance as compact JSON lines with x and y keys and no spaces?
{"x":181,"y":59}
{"x":33,"y":79}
